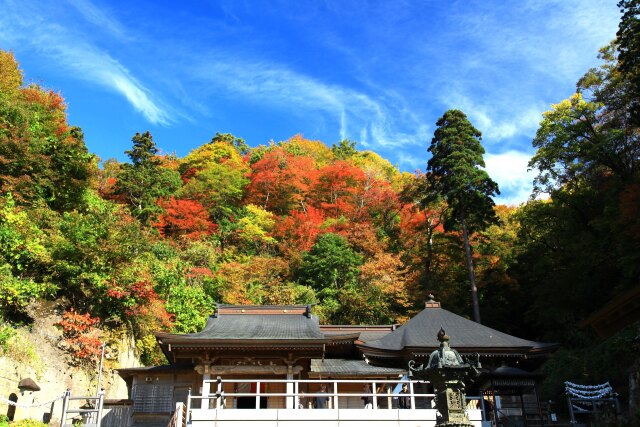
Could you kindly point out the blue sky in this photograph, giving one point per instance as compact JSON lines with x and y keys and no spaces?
{"x":377,"y":72}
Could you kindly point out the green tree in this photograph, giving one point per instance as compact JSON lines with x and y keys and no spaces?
{"x":589,"y":135}
{"x":24,"y":259}
{"x":215,"y":175}
{"x":42,"y":158}
{"x":455,"y":172}
{"x":254,"y":228}
{"x":330,"y":264}
{"x":238,"y":143}
{"x":344,"y":150}
{"x":628,"y":39}
{"x":93,"y":245}
{"x":190,"y":306}
{"x":583,"y":240}
{"x":144,"y":180}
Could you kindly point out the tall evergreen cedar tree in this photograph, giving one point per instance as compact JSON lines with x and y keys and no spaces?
{"x":455,"y":173}
{"x":628,"y":39}
{"x":143,"y":181}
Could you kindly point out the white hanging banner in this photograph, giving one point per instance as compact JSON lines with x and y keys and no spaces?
{"x":588,"y":392}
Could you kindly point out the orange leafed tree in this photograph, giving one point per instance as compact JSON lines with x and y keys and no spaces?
{"x":184,"y":218}
{"x":337,"y":188}
{"x":297,"y":231}
{"x":81,"y":335}
{"x":281,"y":181}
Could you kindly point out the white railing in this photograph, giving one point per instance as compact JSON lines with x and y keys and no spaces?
{"x":218,"y":404}
{"x":219,"y":396}
{"x":295,"y":397}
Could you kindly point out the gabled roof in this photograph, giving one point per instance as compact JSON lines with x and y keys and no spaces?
{"x":419,"y":335}
{"x":255,"y":323}
{"x":260,"y":327}
{"x":246,"y":328}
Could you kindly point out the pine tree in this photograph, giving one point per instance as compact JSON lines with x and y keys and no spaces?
{"x":455,"y":173}
{"x":628,"y":39}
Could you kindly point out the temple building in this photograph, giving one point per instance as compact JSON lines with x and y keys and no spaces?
{"x":277,"y":360}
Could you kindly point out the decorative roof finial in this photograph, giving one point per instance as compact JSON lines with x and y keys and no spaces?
{"x":442,"y":335}
{"x":431,"y":302}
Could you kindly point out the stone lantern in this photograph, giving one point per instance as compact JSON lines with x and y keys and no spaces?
{"x":447,"y":371}
{"x":27,"y":384}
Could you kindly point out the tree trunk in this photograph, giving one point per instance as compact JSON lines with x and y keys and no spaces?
{"x":428,"y":261}
{"x":472,"y":276}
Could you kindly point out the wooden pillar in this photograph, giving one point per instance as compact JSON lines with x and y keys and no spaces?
{"x":413,"y":397}
{"x":375,"y":396}
{"x":206,"y":390}
{"x":219,"y":389}
{"x":290,"y":400}
{"x":258,"y":395}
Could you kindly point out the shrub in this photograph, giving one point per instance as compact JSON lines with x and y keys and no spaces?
{"x":28,"y":423}
{"x":6,"y":334}
{"x":81,"y":337}
{"x":16,"y":293}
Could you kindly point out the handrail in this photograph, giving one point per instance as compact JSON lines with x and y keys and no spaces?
{"x":66,"y":410}
{"x":178,"y":417}
{"x":509,"y":418}
{"x":303,"y":394}
{"x":219,"y":395}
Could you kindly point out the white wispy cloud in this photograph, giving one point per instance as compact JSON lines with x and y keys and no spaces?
{"x":98,"y":67}
{"x":376,"y":123}
{"x":509,"y":170}
{"x":518,"y":60}
{"x":100,"y":18}
{"x":411,"y":162}
{"x":498,"y":121}
{"x":550,"y":37}
{"x":70,"y":51}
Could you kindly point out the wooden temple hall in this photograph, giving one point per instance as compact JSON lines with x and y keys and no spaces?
{"x":276,"y":365}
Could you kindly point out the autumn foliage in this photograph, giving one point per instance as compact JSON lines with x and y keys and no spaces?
{"x":154,"y":243}
{"x":81,"y":335}
{"x":183,"y":218}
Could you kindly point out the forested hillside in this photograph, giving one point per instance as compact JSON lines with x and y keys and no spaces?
{"x":154,"y":243}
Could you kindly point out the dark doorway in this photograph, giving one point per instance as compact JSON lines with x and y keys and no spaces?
{"x":11,"y":412}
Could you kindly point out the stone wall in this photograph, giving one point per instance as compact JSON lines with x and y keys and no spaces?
{"x":49,"y":366}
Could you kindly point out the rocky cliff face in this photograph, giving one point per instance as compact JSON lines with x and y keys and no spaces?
{"x":36,"y":352}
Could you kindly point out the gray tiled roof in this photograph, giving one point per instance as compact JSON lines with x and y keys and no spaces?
{"x":338,"y":367}
{"x":369,"y":336}
{"x":421,"y":331}
{"x":259,"y":327}
{"x":363,"y":336}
